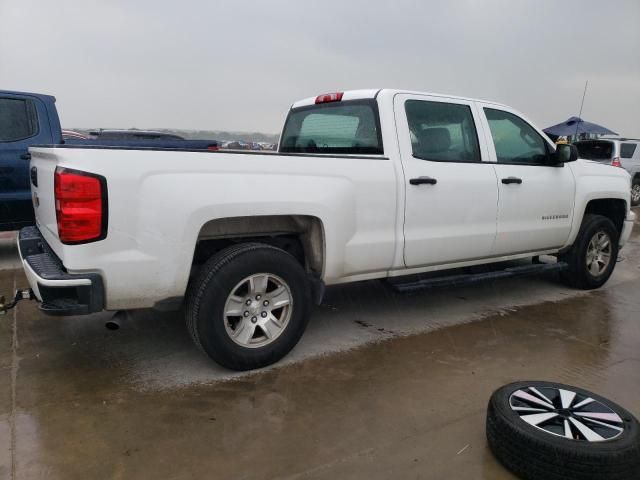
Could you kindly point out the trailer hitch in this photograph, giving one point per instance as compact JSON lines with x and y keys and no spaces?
{"x":25,"y":294}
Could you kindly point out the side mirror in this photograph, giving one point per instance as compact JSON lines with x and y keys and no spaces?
{"x":565,"y":153}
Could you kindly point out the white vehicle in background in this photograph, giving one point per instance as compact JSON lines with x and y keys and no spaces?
{"x":619,"y":152}
{"x":366,"y":184}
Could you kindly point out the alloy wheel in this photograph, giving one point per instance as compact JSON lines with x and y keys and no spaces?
{"x":258,"y":310}
{"x":566,"y":413}
{"x":599,"y":253}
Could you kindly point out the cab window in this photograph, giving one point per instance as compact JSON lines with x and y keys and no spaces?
{"x":515,"y":140}
{"x":18,"y":119}
{"x":442,"y":132}
{"x":350,"y":127}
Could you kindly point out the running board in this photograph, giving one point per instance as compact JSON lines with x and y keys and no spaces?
{"x":466,"y":279}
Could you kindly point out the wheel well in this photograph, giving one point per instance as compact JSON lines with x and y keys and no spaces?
{"x":612,"y":208}
{"x":300,"y":235}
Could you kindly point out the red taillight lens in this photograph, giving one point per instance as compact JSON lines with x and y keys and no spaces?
{"x":329,"y":97}
{"x":80,"y":206}
{"x":213,"y":148}
{"x":616,"y":162}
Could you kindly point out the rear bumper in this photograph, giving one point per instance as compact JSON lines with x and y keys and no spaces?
{"x":59,"y":292}
{"x":627,"y":227}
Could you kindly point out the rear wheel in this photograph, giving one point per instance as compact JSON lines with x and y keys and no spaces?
{"x":249,"y":306}
{"x":593,"y":256}
{"x":635,"y":192}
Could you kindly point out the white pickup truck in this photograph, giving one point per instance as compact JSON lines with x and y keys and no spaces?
{"x":366,"y":184}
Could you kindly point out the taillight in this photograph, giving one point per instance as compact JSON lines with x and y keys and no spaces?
{"x":616,"y":162}
{"x":329,"y":97}
{"x":213,"y":148}
{"x":81,"y":206}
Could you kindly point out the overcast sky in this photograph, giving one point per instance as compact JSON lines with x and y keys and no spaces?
{"x":238,"y":65}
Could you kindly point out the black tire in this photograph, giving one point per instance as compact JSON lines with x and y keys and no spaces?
{"x":578,"y":275}
{"x":208,"y":293}
{"x":534,"y":454}
{"x":635,"y":185}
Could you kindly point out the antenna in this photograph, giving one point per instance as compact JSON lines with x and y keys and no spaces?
{"x":581,"y":105}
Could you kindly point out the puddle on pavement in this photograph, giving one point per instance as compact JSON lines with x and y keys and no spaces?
{"x":406,"y":407}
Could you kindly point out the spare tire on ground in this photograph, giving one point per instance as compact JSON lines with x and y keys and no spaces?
{"x":550,"y":431}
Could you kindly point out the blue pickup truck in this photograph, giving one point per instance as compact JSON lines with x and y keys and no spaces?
{"x":28,"y":119}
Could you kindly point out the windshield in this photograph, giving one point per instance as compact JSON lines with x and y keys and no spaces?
{"x":595,"y":149}
{"x":340,"y":127}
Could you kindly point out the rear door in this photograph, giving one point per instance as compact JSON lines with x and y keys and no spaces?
{"x":535,"y":207}
{"x":19,"y":128}
{"x":451,"y":191}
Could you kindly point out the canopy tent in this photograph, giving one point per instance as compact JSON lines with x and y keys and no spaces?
{"x":576,"y":126}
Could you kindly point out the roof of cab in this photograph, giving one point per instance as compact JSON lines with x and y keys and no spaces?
{"x":375,"y":92}
{"x":41,"y":96}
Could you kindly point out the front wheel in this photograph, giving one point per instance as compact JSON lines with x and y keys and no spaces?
{"x":593,"y":256}
{"x":249,"y":306}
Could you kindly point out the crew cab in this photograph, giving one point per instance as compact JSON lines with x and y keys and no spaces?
{"x":366,"y":184}
{"x":28,"y":119}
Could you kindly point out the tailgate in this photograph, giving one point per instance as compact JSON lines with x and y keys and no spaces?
{"x":43,"y":166}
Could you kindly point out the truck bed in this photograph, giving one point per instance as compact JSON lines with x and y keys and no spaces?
{"x":161,"y":201}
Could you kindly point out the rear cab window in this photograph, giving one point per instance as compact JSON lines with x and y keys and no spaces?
{"x":595,"y":149}
{"x":350,"y":127}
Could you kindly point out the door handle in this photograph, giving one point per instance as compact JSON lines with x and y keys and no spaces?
{"x":25,"y":156}
{"x":423,"y":180}
{"x":509,"y":180}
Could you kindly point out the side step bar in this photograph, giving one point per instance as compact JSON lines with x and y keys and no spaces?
{"x":466,"y":279}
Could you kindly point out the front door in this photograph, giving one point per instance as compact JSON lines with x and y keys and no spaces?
{"x":535,"y":207}
{"x":451,"y":191}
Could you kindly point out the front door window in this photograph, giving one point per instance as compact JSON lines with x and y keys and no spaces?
{"x":515,"y":140}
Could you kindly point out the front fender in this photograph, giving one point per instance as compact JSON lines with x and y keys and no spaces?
{"x":597,"y":182}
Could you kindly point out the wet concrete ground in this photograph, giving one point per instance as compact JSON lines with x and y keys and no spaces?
{"x":382,"y":386}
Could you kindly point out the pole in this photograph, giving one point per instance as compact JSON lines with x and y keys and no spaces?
{"x":581,"y":105}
